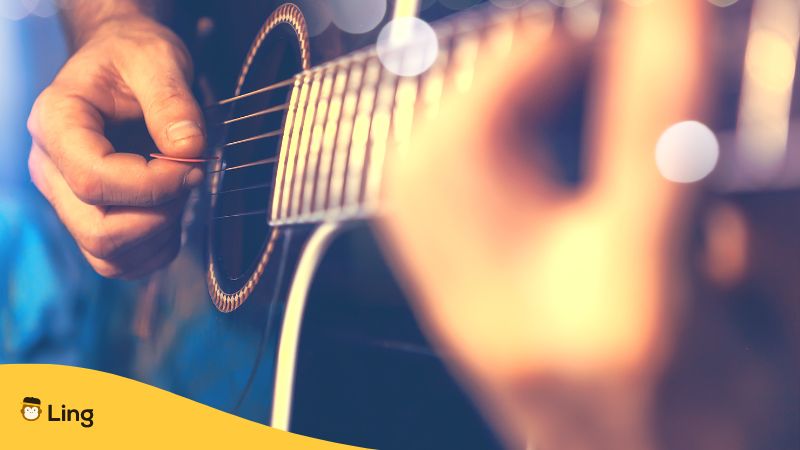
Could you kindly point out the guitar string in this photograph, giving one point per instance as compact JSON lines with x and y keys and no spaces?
{"x":448,"y":32}
{"x":271,"y":87}
{"x":305,"y":76}
{"x":248,"y":188}
{"x":260,"y":162}
{"x":305,"y":79}
{"x":266,"y":161}
{"x":279,"y":108}
{"x":257,"y":137}
{"x":263,"y":112}
{"x":226,"y":146}
{"x":250,"y":213}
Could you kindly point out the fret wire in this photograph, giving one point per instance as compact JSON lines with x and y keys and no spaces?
{"x":405,"y":102}
{"x":432,"y":82}
{"x":263,"y":112}
{"x":374,"y":133}
{"x":277,"y":196}
{"x":342,"y":153}
{"x":500,"y":35}
{"x":257,"y":137}
{"x":381,"y":125}
{"x":305,"y":140}
{"x":330,"y":158}
{"x":361,"y":130}
{"x":293,"y":148}
{"x":330,"y":137}
{"x":494,"y":17}
{"x":316,"y":142}
{"x":317,"y":172}
{"x":465,"y":53}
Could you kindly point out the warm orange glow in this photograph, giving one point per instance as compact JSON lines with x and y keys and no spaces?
{"x":771,"y":61}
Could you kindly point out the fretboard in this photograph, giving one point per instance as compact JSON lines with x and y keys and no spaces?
{"x":344,"y":116}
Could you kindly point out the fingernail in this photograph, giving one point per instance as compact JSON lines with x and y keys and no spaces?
{"x":184,"y":129}
{"x":193,"y":178}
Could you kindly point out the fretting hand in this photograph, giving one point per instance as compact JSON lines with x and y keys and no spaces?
{"x":555,"y":306}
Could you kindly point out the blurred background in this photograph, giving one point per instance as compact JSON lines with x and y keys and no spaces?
{"x":49,"y":308}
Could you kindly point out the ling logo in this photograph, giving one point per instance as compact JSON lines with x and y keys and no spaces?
{"x":32,"y":410}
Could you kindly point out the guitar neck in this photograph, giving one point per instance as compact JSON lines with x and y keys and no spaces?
{"x":345,"y":115}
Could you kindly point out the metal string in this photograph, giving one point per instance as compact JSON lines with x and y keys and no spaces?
{"x":251,"y":213}
{"x":260,"y":162}
{"x":271,"y":87}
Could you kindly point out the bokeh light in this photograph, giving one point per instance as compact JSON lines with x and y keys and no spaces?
{"x":687,"y":152}
{"x":765,"y":109}
{"x":458,"y":5}
{"x":407,"y":46}
{"x":318,"y":15}
{"x":20,"y":9}
{"x":566,"y":3}
{"x":16,"y":9}
{"x":583,"y":20}
{"x":45,"y":8}
{"x":357,"y":16}
{"x":722,"y":3}
{"x":509,"y":4}
{"x":638,"y":2}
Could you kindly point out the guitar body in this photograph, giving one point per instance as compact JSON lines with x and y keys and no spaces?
{"x":298,"y":326}
{"x":364,"y":372}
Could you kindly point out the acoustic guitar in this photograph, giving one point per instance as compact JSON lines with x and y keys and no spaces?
{"x":279,"y":307}
{"x":297,"y":323}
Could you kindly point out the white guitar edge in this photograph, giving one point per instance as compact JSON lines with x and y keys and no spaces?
{"x":283,"y":390}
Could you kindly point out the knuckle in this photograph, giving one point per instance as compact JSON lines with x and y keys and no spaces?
{"x":88,"y":187}
{"x":42,"y":104}
{"x":106,"y":270}
{"x":147,"y":196}
{"x":97,"y":241}
{"x":159,"y":45}
{"x":169,"y":96}
{"x":165,"y":43}
{"x":180,"y":54}
{"x":37,"y":174}
{"x":34,"y":171}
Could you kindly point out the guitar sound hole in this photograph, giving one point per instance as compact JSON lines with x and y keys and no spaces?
{"x":241,"y":202}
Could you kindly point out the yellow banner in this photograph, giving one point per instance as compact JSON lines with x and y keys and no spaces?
{"x":49,"y":406}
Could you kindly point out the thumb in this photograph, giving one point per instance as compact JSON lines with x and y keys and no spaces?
{"x":171,"y":113}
